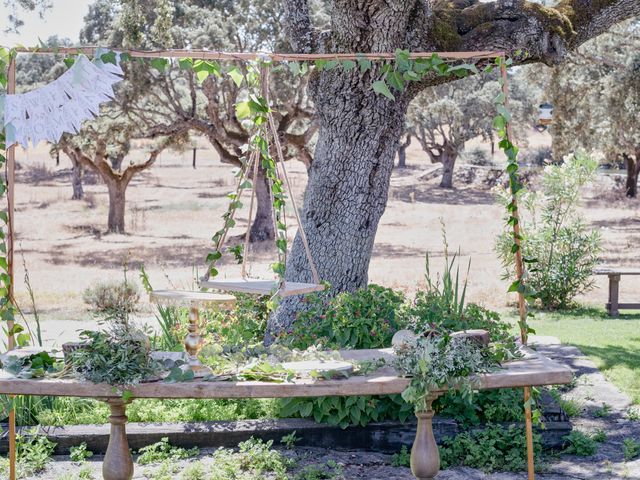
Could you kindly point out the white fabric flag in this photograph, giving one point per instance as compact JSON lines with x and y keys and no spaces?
{"x":62,"y":105}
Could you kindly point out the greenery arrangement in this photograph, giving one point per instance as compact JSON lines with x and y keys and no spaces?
{"x":119,"y":355}
{"x":435,"y":361}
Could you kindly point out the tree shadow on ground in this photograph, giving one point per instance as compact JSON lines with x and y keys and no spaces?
{"x":448,"y":196}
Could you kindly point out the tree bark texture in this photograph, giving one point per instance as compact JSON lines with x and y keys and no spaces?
{"x":117,"y":201}
{"x":360,"y":131}
{"x":262,"y":227}
{"x":402,"y":152}
{"x":633,"y":168}
{"x":76,"y":180}
{"x":448,"y":160}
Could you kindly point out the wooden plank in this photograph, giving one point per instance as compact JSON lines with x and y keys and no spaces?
{"x":626,"y":306}
{"x":616,"y":271}
{"x":262,"y":287}
{"x":533,"y":370}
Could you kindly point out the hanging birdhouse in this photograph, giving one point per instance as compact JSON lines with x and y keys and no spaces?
{"x":545,"y":116}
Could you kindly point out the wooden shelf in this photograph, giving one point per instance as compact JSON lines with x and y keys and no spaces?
{"x":262,"y":287}
{"x":187,"y":298}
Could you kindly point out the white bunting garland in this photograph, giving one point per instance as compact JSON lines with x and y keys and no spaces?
{"x":62,"y":105}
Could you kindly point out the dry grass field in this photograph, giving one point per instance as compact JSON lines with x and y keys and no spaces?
{"x":173,"y":209}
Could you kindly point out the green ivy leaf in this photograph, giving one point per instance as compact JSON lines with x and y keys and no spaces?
{"x":381,"y":88}
{"x":160,"y":64}
{"x":236,"y":76}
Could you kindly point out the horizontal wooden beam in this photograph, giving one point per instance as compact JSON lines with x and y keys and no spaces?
{"x":244,"y":56}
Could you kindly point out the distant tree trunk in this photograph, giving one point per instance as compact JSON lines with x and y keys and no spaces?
{"x":76,"y":180}
{"x":194,"y":158}
{"x":117,"y":189}
{"x":448,"y":159}
{"x":57,"y":158}
{"x":633,"y":168}
{"x":402,"y":152}
{"x":262,"y":228}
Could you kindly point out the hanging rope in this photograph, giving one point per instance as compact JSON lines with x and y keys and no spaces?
{"x":280,"y":158}
{"x":238,"y":196}
{"x":245,"y":252}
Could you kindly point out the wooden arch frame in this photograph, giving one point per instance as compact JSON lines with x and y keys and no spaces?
{"x":238,"y":56}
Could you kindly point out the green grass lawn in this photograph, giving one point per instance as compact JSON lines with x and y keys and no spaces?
{"x":613,"y":344}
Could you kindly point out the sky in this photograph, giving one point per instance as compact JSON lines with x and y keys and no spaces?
{"x":63,"y":19}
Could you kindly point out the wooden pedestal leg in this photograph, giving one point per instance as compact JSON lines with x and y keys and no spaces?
{"x":425,"y":458}
{"x":193,"y":344}
{"x":117,"y":464}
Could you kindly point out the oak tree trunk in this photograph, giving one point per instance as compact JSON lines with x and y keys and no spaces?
{"x":633,"y":168}
{"x":347,"y":190}
{"x":262,"y":227}
{"x":448,"y":159}
{"x":402,"y":157}
{"x":76,"y":180}
{"x":117,"y":188}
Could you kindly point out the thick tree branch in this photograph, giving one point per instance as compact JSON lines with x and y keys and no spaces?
{"x":546,"y":34}
{"x":300,"y":31}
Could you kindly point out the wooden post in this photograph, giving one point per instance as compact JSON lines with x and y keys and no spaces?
{"x":11,"y":174}
{"x":425,"y":458}
{"x":194,"y":157}
{"x":117,"y":463}
{"x":614,"y":295}
{"x":522,"y":306}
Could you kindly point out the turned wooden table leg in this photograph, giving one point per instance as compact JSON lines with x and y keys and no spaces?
{"x":425,"y":458}
{"x":117,"y":464}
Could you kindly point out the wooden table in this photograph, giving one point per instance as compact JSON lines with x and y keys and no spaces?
{"x":532,"y":370}
{"x":614,"y":274}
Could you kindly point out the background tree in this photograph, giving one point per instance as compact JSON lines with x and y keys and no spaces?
{"x":360,"y":130}
{"x":102,"y":146}
{"x":444,"y":118}
{"x":15,"y":8}
{"x":593,"y":97}
{"x":174,"y":102}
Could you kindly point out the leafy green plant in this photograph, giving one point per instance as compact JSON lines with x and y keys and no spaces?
{"x":112,"y":298}
{"x":79,"y":453}
{"x":630,"y":448}
{"x":328,"y":471}
{"x":486,"y":406}
{"x":289,"y":441}
{"x":580,"y":444}
{"x":599,"y":436}
{"x":571,"y":407}
{"x":253,"y":459}
{"x":557,"y":238}
{"x":85,"y":473}
{"x":603,"y":412}
{"x":366,"y":318}
{"x":633,"y":414}
{"x":194,"y":471}
{"x":402,"y":458}
{"x":437,"y":361}
{"x":494,"y":448}
{"x":119,"y":355}
{"x":345,"y":411}
{"x":33,"y":452}
{"x":163,"y":450}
